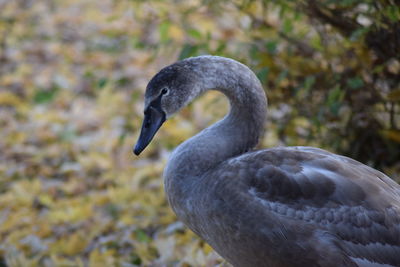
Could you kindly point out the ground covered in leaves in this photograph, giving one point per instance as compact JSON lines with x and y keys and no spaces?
{"x":72,"y":192}
{"x":72,"y":77}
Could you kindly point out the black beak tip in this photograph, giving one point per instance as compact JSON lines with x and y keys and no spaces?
{"x":137,"y":150}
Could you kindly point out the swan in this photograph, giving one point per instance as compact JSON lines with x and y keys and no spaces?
{"x":282,"y":206}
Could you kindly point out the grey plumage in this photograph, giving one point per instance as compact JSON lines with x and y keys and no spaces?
{"x":287,"y":206}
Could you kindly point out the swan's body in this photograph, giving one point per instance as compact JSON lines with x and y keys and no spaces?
{"x":297,"y":206}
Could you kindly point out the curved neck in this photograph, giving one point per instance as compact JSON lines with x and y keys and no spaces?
{"x":237,"y":133}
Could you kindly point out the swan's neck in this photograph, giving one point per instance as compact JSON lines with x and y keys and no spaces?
{"x":237,"y":133}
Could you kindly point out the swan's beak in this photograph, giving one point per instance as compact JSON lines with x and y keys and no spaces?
{"x":154,"y":117}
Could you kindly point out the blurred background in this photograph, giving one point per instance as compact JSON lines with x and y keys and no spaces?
{"x":72,"y":78}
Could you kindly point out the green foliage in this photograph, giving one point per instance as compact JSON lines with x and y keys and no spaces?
{"x":44,"y":96}
{"x":72,"y":77}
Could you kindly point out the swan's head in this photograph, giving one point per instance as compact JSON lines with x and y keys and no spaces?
{"x":167,"y":92}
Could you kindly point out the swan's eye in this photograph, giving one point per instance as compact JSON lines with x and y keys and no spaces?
{"x":164,"y":91}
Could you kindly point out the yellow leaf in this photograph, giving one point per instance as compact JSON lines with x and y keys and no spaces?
{"x":70,"y":212}
{"x":45,"y":199}
{"x":100,"y":259}
{"x":394,"y":95}
{"x":392,"y":135}
{"x":75,"y":244}
{"x":175,"y":33}
{"x":9,"y":99}
{"x":44,"y":230}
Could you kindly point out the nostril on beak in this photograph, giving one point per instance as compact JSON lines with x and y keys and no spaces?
{"x":147,"y":124}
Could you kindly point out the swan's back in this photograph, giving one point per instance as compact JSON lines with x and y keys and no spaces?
{"x":315,"y":207}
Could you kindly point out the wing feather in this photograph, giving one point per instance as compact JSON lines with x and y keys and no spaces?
{"x":358,"y":205}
